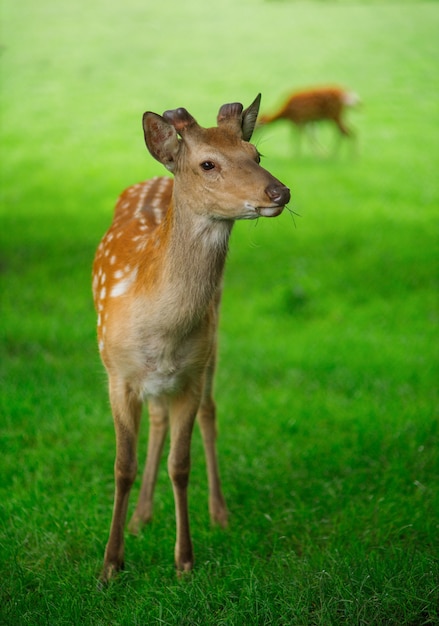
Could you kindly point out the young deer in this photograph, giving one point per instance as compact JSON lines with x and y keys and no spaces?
{"x":321,"y":103}
{"x":157,"y":287}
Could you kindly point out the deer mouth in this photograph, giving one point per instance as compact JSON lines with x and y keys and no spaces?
{"x":269,"y":211}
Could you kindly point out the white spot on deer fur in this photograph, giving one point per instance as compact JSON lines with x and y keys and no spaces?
{"x":103,"y":278}
{"x":113,"y":259}
{"x":99,"y":319}
{"x":101,"y":345}
{"x":118,"y":274}
{"x":103,"y":293}
{"x":141,"y":246}
{"x":122,"y":286}
{"x":144,"y":192}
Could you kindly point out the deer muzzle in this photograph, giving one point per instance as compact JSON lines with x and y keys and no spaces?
{"x":279,"y":195}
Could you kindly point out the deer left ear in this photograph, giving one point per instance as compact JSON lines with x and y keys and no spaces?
{"x":249,"y":117}
{"x":161,"y":139}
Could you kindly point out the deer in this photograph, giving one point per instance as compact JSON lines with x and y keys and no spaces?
{"x":157,"y":284}
{"x":303,"y":108}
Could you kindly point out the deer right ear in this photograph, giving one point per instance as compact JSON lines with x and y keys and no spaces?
{"x":161,"y":139}
{"x":249,"y":117}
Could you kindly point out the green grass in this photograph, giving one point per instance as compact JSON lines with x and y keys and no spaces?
{"x":327,"y":382}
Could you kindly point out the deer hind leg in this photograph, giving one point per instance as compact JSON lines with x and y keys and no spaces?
{"x":127,"y":409}
{"x":207,"y":421}
{"x":158,"y":428}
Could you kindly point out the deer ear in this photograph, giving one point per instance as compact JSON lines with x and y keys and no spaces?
{"x":161,"y":139}
{"x":249,"y":117}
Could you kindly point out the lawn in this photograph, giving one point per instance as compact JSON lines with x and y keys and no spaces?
{"x":326,"y":387}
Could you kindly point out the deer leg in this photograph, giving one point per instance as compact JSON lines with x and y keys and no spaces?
{"x":344,"y":131}
{"x":207,"y":421}
{"x":348,"y":132}
{"x":158,"y":428}
{"x":311,"y":129}
{"x":298,"y":132}
{"x":182,"y":417}
{"x":127,"y":410}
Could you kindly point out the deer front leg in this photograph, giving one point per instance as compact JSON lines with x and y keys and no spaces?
{"x":207,"y":421}
{"x":217,"y":504}
{"x":158,"y":428}
{"x":126,"y":413}
{"x":182,"y":417}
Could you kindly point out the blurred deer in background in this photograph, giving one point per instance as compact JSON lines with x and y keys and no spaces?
{"x":157,"y":286}
{"x":304,"y":108}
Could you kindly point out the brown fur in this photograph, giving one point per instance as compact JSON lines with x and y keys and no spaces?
{"x":314,"y":105}
{"x":157,"y":287}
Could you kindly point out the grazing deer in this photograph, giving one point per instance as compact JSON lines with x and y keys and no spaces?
{"x":157,"y":287}
{"x":321,"y":103}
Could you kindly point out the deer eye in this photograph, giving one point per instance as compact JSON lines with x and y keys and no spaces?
{"x":207,"y":165}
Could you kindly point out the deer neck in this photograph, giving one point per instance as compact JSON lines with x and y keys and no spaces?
{"x":191,"y":274}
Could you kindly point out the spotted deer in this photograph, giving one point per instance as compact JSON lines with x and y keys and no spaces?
{"x":303,"y":108}
{"x":157,"y":280}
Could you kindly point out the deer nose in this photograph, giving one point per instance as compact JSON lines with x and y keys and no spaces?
{"x":278,"y":193}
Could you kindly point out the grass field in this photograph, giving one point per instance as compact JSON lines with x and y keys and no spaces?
{"x":327,"y":382}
